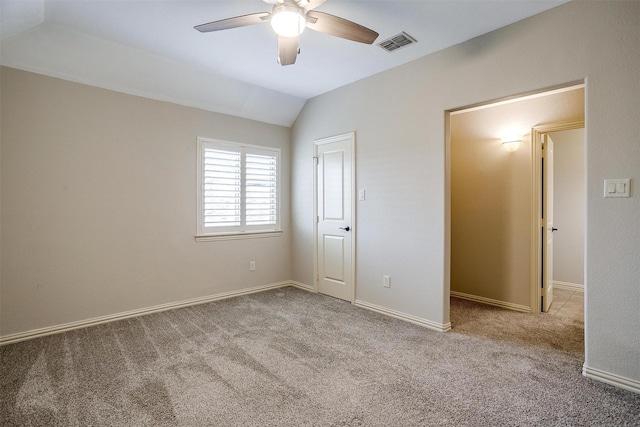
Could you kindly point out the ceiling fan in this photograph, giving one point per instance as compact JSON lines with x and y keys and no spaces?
{"x":288,"y":19}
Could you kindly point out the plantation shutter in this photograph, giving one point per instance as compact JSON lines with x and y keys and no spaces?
{"x":222,"y":187}
{"x":238,"y":188}
{"x":261,"y":190}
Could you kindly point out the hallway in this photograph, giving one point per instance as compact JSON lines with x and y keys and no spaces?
{"x":568,"y":303}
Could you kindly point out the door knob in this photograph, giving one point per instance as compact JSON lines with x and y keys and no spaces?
{"x":553,"y":229}
{"x":344,"y":228}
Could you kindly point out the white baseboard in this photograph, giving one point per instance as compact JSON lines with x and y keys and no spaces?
{"x":50,"y":330}
{"x":568,"y":286}
{"x":615,"y":380}
{"x":302,"y":286}
{"x":489,"y":301}
{"x":440,"y":327}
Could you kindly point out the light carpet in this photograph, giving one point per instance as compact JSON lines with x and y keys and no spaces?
{"x":288,"y":357}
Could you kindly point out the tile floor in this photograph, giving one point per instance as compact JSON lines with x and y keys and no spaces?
{"x":567,"y":303}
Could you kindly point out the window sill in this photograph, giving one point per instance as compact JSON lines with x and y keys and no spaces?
{"x":238,"y":236}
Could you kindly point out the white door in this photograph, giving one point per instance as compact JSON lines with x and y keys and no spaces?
{"x":335,"y":216}
{"x":547,"y":251}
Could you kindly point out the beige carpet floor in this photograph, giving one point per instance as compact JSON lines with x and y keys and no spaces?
{"x":292,"y":358}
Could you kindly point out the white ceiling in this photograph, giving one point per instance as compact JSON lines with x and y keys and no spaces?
{"x":516,"y":117}
{"x":150,"y":48}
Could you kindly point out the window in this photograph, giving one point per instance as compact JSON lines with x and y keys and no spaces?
{"x":238,"y":189}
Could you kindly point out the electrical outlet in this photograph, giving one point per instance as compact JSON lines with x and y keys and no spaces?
{"x":252,"y":266}
{"x":386,"y":281}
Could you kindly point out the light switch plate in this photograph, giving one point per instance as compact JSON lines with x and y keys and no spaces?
{"x":617,"y":187}
{"x":361,"y":195}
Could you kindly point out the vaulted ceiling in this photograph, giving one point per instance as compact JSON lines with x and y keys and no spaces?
{"x":150,"y":48}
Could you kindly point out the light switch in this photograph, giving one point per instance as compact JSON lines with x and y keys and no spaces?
{"x":617,"y":187}
{"x":361,"y":195}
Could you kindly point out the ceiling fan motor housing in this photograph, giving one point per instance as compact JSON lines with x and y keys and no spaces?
{"x":301,"y":3}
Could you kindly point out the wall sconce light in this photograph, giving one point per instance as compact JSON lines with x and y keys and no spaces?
{"x":511,"y":144}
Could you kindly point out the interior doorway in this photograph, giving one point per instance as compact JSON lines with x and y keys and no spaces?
{"x":335,"y":216}
{"x":494,"y":213}
{"x":559,"y":186}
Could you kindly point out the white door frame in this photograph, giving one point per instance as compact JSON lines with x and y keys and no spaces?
{"x":351,"y":140}
{"x":536,"y":204}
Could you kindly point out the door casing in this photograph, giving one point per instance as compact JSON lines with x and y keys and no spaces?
{"x":350,"y":137}
{"x":537,"y":241}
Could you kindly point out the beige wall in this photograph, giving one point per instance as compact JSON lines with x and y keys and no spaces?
{"x":490,"y":218}
{"x":399,"y":117}
{"x":99,"y":204}
{"x":491,"y":195}
{"x":98,"y":188}
{"x":568,"y":206}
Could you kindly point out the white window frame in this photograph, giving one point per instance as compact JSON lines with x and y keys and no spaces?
{"x":203,"y":233}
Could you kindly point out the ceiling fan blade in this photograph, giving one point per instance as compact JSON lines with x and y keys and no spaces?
{"x":313,"y":4}
{"x":287,"y":50}
{"x":340,"y":27}
{"x":238,"y":21}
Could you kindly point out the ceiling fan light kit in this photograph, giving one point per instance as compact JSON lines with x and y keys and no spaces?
{"x":289,"y":18}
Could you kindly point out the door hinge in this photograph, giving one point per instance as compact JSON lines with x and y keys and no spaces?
{"x":317,"y":219}
{"x":315,"y":159}
{"x":542,"y":223}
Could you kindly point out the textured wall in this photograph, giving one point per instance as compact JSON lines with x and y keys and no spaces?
{"x":568,"y":206}
{"x":399,"y":117}
{"x":99,"y":204}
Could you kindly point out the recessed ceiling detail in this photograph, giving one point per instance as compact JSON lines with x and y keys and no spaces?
{"x":396,"y":42}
